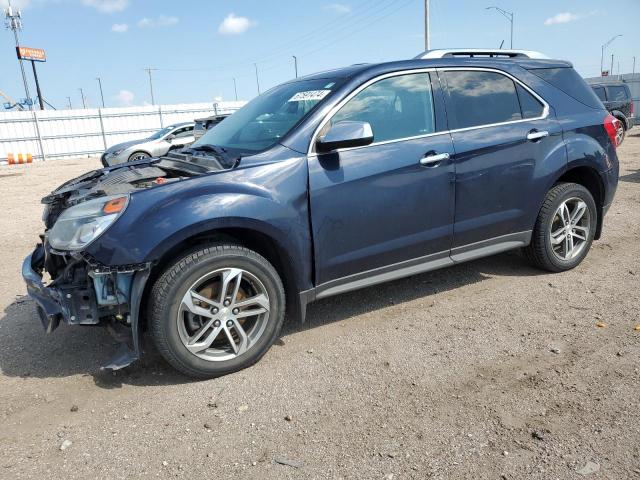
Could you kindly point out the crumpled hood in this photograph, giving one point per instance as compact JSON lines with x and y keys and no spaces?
{"x":109,"y":181}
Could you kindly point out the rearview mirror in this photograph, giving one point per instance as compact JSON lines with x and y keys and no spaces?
{"x":345,"y":134}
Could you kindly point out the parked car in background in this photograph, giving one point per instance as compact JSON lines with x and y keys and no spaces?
{"x":204,"y":124}
{"x":158,"y":144}
{"x":323,"y":185}
{"x":617,"y":98}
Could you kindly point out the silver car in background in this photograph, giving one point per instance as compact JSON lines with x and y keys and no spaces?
{"x":169,"y":138}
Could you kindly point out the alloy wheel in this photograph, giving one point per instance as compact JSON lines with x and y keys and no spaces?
{"x":570,"y":228}
{"x":223,"y":314}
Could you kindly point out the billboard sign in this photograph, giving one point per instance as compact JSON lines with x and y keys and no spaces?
{"x":33,"y":54}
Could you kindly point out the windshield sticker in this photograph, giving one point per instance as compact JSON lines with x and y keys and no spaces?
{"x":309,"y":95}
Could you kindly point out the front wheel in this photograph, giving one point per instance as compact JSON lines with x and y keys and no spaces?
{"x":564,"y":229}
{"x":216,"y":310}
{"x":134,"y":157}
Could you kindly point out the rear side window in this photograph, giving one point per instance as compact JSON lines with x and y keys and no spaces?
{"x":617,"y":93}
{"x":397,"y":107}
{"x":599,"y":91}
{"x":530,"y":105}
{"x":482,"y":98}
{"x":568,"y":80}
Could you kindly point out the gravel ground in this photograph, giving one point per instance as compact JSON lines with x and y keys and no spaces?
{"x":490,"y":369}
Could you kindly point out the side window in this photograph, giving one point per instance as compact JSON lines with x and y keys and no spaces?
{"x":618,"y":93}
{"x":600,"y":93}
{"x":530,"y":106}
{"x":482,"y":98}
{"x":183,"y":132}
{"x":396,"y":107}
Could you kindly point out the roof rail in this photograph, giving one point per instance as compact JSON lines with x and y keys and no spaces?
{"x":481,"y":52}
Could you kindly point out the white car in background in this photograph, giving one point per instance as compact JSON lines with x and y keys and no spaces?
{"x":159,"y":144}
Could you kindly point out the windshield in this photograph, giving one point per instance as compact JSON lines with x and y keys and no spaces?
{"x":266,"y":119}
{"x":161,"y":133}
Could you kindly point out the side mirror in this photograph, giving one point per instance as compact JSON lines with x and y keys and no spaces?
{"x":345,"y":134}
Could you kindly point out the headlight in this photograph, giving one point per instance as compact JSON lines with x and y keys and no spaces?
{"x":115,"y":153}
{"x":78,"y":226}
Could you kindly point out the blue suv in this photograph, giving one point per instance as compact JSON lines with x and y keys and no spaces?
{"x":322,"y":185}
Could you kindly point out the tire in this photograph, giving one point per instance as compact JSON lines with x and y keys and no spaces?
{"x":135,"y":156}
{"x":173,"y":324}
{"x":555,"y":255}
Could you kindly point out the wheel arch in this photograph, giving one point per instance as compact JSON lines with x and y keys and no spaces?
{"x":622,"y":117}
{"x":265,"y":244}
{"x":589,"y":178}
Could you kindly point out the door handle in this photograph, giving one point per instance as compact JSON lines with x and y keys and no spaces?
{"x":534,"y":135}
{"x":433,"y":160}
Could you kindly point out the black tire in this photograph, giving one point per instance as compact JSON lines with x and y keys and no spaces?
{"x":135,"y":156}
{"x":169,"y":289}
{"x":540,"y":251}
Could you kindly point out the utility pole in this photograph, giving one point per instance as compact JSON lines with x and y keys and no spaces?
{"x":69,"y":100}
{"x":84,"y":104}
{"x":426,"y":26}
{"x":295,"y":64}
{"x":604,"y":46}
{"x":633,"y":71}
{"x":149,"y":70}
{"x":257,"y":80}
{"x":100,"y":85}
{"x":235,"y":88}
{"x":508,"y":15}
{"x":14,"y":23}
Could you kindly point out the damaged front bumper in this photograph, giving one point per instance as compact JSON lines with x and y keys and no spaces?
{"x":88,"y":293}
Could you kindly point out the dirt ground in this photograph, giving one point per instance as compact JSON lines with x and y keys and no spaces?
{"x":488,"y":370}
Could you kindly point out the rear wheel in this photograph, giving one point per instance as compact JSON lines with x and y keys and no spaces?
{"x":564,"y":229}
{"x":217,"y":310}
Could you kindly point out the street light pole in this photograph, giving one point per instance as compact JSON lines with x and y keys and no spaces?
{"x":235,"y":88}
{"x":14,"y":23}
{"x":101,"y":95}
{"x":508,"y":15}
{"x":69,"y":100}
{"x":611,"y":71}
{"x":295,"y":64}
{"x":604,"y":46}
{"x":633,"y":71}
{"x":427,"y":43}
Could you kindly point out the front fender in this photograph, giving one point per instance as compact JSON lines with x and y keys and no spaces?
{"x":270,"y":199}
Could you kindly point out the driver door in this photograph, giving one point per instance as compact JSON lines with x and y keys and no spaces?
{"x":385,"y":209}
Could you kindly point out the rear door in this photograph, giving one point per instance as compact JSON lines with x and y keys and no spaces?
{"x":619,"y":99}
{"x":383,"y":205}
{"x":506,"y":144}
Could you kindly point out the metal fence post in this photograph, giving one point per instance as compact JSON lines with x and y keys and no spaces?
{"x":160,"y":114}
{"x":215,"y":109}
{"x":37,"y":125}
{"x":104,"y":137}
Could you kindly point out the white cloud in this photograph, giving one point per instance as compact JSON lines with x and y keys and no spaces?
{"x":119,"y":27}
{"x":340,"y":8}
{"x":161,"y":21}
{"x":564,"y":17}
{"x":234,"y":25}
{"x":107,"y":6}
{"x":124,"y":98}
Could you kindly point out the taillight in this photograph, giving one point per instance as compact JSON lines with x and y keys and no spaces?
{"x":631,"y":109}
{"x":611,"y":125}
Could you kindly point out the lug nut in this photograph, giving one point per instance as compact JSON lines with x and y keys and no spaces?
{"x":216,"y":323}
{"x":227,"y":303}
{"x":229,"y":323}
{"x":236,"y":311}
{"x":214,"y":310}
